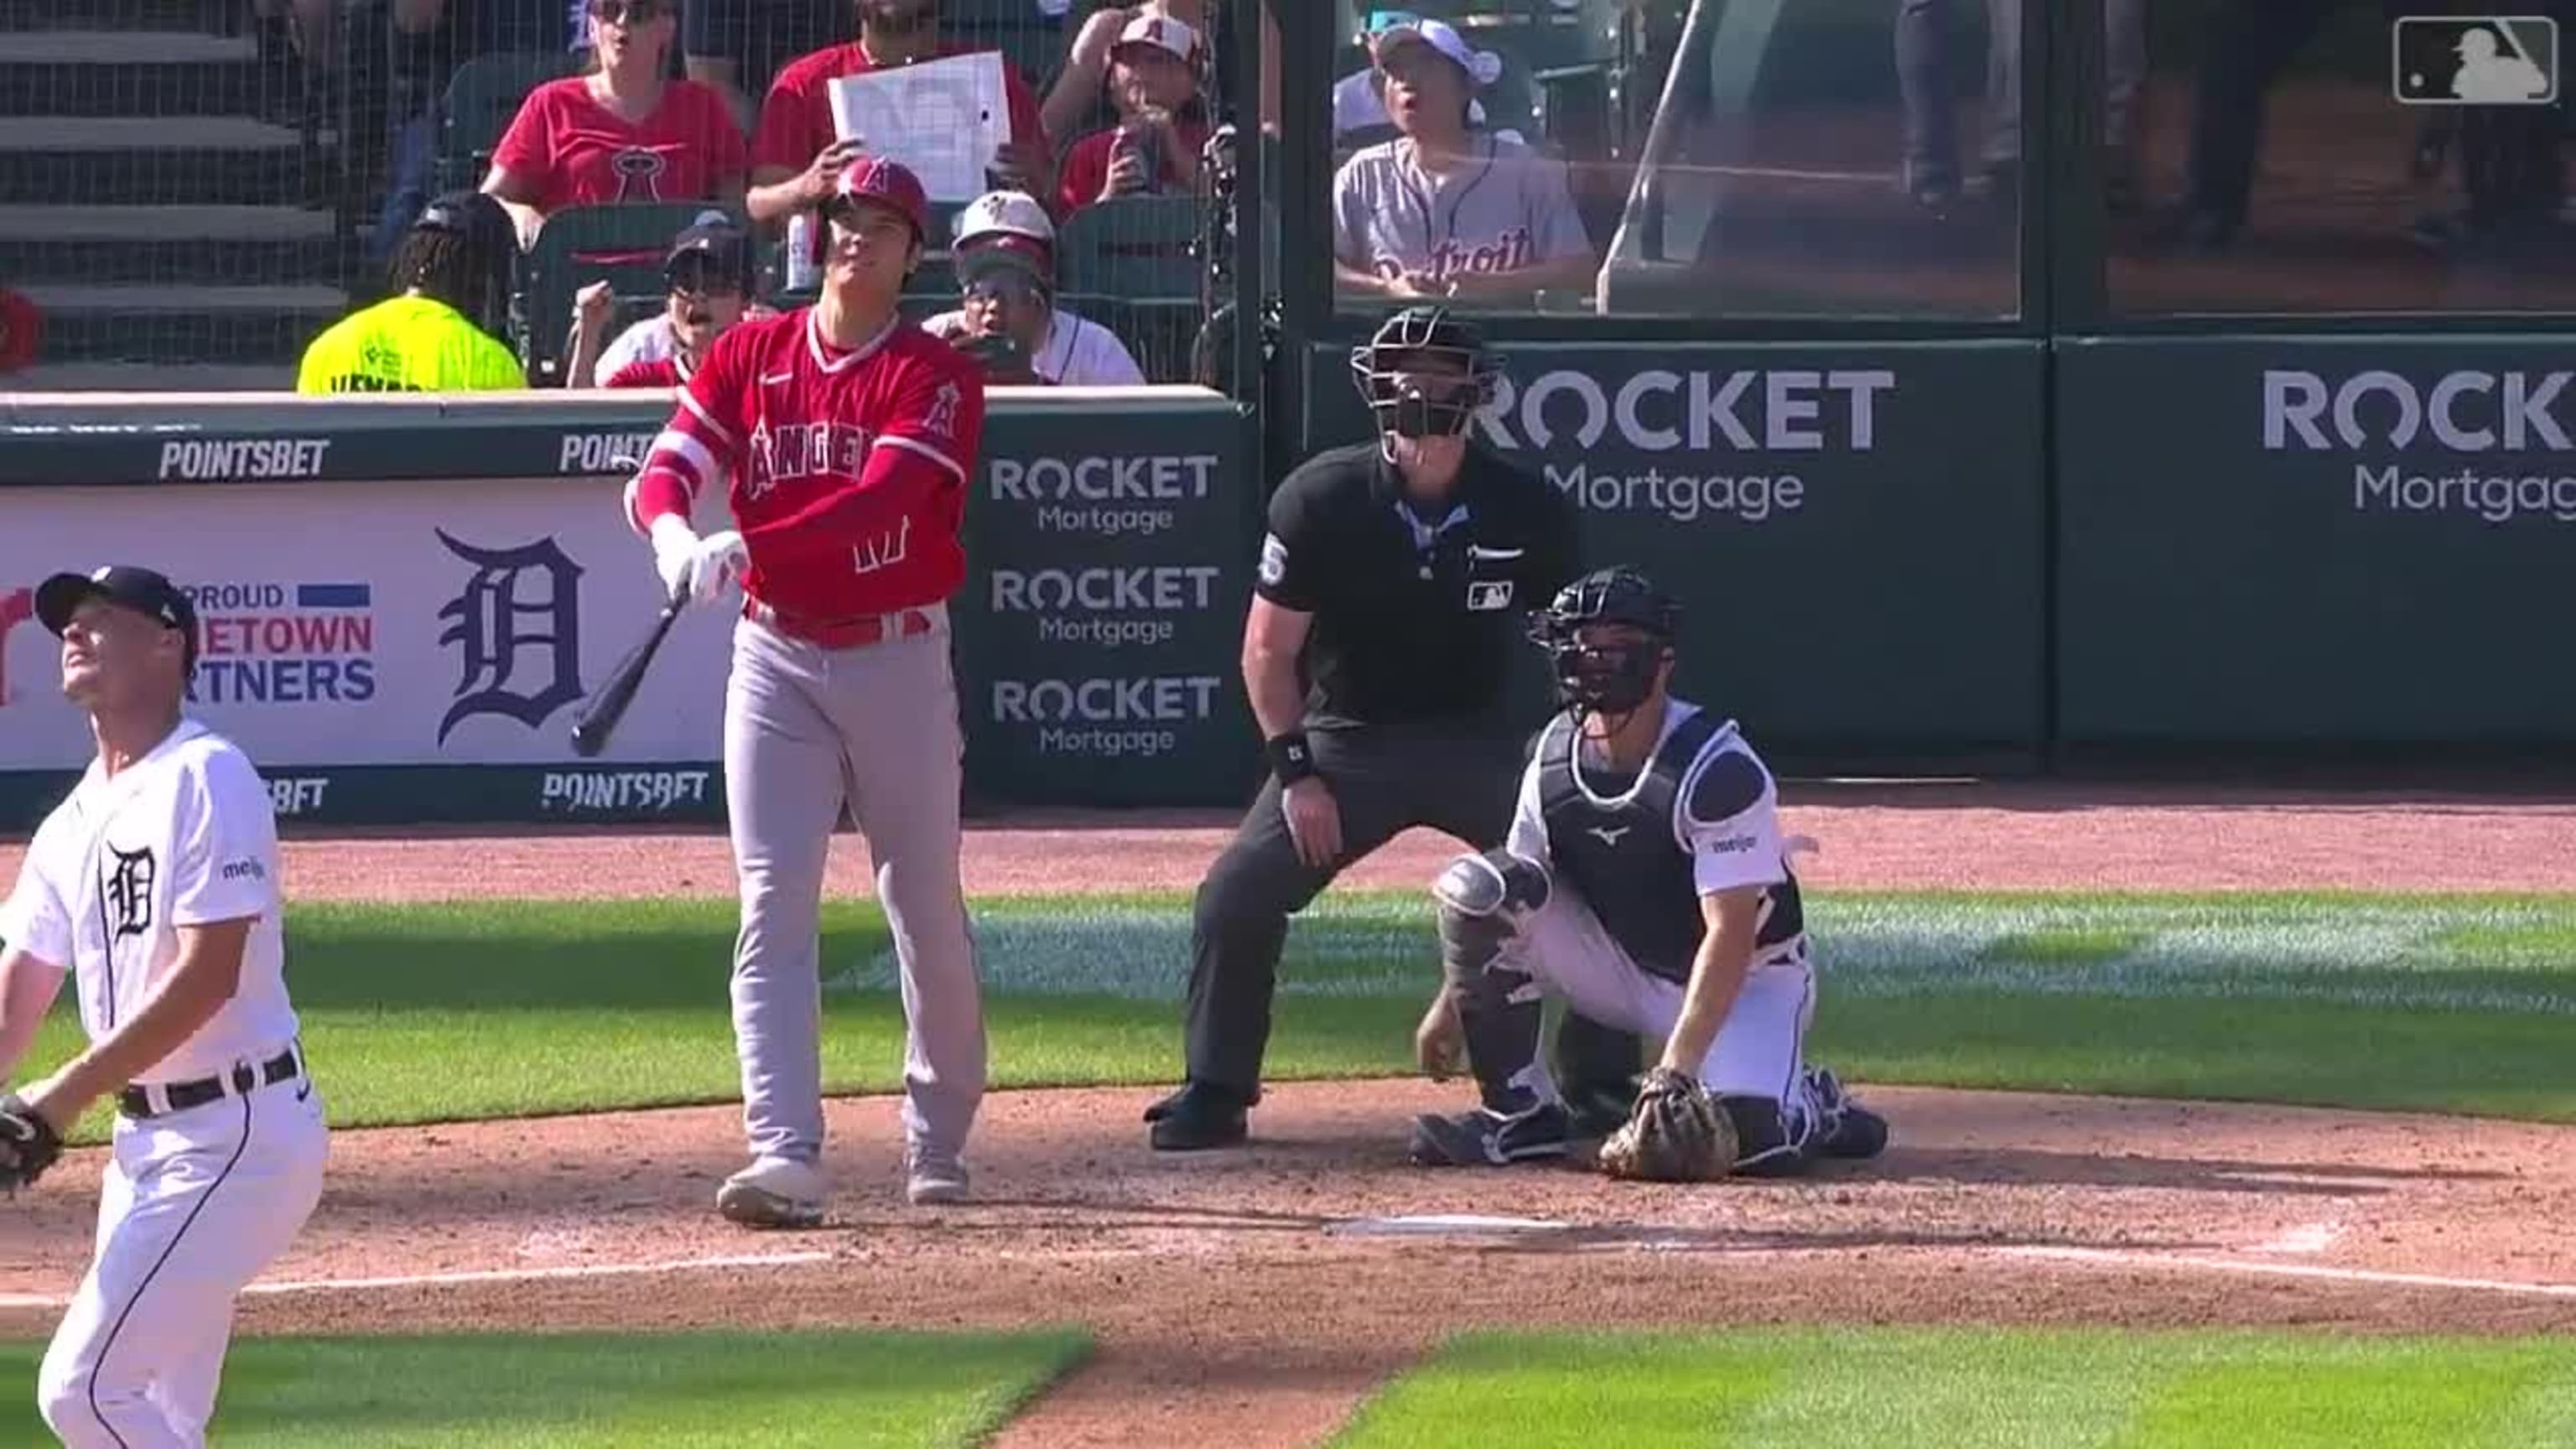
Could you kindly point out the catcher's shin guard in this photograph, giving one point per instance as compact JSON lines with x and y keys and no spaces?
{"x":1483,"y":900}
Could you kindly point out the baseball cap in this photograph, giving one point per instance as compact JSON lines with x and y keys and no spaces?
{"x":996,"y":215}
{"x":887,"y":182}
{"x":470,"y":214}
{"x":713,"y":237}
{"x":127,"y":586}
{"x":1159,"y":31}
{"x":1402,"y":27}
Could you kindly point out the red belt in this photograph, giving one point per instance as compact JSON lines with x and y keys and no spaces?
{"x":856,"y":633}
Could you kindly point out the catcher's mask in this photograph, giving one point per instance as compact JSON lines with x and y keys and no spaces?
{"x":1601,"y":675}
{"x":1424,"y":373}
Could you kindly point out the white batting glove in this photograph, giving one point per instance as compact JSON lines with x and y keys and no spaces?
{"x":695,"y":568}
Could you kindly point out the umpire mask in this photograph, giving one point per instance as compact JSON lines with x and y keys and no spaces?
{"x":1631,"y":629}
{"x":1423,"y":374}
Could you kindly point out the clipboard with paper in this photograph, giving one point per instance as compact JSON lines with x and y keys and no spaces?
{"x":942,"y":118}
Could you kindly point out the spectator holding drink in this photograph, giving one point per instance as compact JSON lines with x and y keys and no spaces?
{"x":1153,"y":81}
{"x":626,"y":132}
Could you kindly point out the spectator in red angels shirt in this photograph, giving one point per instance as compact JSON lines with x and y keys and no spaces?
{"x":1153,"y":80}
{"x":848,"y":437}
{"x":625,"y":132}
{"x":710,"y":272}
{"x":795,"y":157}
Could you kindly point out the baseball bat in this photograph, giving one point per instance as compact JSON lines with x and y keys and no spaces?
{"x":599,"y":717}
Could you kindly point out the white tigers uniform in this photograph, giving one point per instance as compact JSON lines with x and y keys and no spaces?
{"x":1701,"y":817}
{"x":196,"y":1199}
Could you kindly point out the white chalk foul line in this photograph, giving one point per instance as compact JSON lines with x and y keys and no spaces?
{"x":483,"y":1275}
{"x":2112,"y":1257}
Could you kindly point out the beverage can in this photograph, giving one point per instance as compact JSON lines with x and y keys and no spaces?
{"x":800,"y":251}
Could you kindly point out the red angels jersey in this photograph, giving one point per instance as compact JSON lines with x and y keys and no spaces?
{"x":848,"y":468}
{"x":577,"y":152}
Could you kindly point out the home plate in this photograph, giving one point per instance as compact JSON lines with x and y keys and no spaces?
{"x":1434,"y":1225}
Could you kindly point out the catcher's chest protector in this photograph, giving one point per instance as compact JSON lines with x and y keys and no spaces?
{"x":1622,"y":853}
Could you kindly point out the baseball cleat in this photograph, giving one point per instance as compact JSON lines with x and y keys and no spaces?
{"x":774,"y":1193}
{"x":934,"y":1181}
{"x":1485,"y":1138}
{"x":1197,"y":1118}
{"x":1850,"y":1129}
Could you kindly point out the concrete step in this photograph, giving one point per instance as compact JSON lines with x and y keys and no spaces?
{"x":184,"y":323}
{"x":212,"y":16}
{"x":185,"y":244}
{"x":125,"y":47}
{"x":172,"y":160}
{"x":53,"y":377}
{"x":110,"y":74}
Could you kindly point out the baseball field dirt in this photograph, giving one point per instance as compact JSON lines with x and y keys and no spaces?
{"x":1254,"y":1298}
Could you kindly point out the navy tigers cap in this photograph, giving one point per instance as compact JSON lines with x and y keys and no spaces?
{"x":126,"y":585}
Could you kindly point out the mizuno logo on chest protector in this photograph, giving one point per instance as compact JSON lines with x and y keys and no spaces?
{"x":1608,"y":835}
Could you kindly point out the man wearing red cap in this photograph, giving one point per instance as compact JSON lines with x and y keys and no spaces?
{"x":848,"y":437}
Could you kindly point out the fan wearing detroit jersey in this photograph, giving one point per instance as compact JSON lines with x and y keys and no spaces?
{"x":1644,"y":881}
{"x":155,"y":885}
{"x":848,"y":435}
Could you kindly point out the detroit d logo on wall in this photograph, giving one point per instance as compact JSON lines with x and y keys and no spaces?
{"x":516,"y":627}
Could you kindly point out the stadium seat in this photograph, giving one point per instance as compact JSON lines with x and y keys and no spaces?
{"x":583,"y":244}
{"x":482,"y":98}
{"x":1139,"y":248}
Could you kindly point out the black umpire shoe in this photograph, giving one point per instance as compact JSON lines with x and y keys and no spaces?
{"x":1486,"y":1138}
{"x":1198,"y":1117}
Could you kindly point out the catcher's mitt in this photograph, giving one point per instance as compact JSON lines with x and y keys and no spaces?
{"x":1675,"y":1133}
{"x":28,"y":1144}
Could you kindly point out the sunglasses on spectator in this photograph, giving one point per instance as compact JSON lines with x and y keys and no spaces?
{"x":627,"y":12}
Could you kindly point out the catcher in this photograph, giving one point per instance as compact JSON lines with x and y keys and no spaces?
{"x":1644,"y":881}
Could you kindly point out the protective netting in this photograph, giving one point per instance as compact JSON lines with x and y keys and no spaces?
{"x":191,"y":190}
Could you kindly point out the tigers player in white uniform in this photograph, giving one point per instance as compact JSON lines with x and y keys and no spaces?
{"x":1645,"y":881}
{"x":155,"y":885}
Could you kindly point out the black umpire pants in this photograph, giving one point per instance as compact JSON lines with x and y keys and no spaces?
{"x":1386,"y":779}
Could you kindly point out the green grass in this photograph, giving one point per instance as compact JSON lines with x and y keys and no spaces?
{"x":1982,"y":1389}
{"x":2442,"y":1004}
{"x":837,"y":1389}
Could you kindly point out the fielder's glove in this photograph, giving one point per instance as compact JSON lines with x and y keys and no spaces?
{"x":28,"y":1144}
{"x":1674,"y":1133}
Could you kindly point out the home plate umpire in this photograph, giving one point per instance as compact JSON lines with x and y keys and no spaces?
{"x":1393,"y":586}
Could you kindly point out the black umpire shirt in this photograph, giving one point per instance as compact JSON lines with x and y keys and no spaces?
{"x":1415,"y":612}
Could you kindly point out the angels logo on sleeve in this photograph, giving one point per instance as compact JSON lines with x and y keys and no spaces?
{"x":1274,"y":559}
{"x":941,"y":420}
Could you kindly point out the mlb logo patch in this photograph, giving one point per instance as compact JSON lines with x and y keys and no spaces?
{"x":1487,"y":595}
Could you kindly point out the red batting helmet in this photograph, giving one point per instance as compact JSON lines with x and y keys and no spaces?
{"x":890,"y":184}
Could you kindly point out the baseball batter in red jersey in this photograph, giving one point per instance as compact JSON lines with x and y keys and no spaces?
{"x":848,"y":436}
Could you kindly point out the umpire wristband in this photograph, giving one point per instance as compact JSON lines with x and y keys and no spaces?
{"x":1291,"y":758}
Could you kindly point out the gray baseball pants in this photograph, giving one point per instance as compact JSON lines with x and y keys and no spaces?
{"x":807,"y":730}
